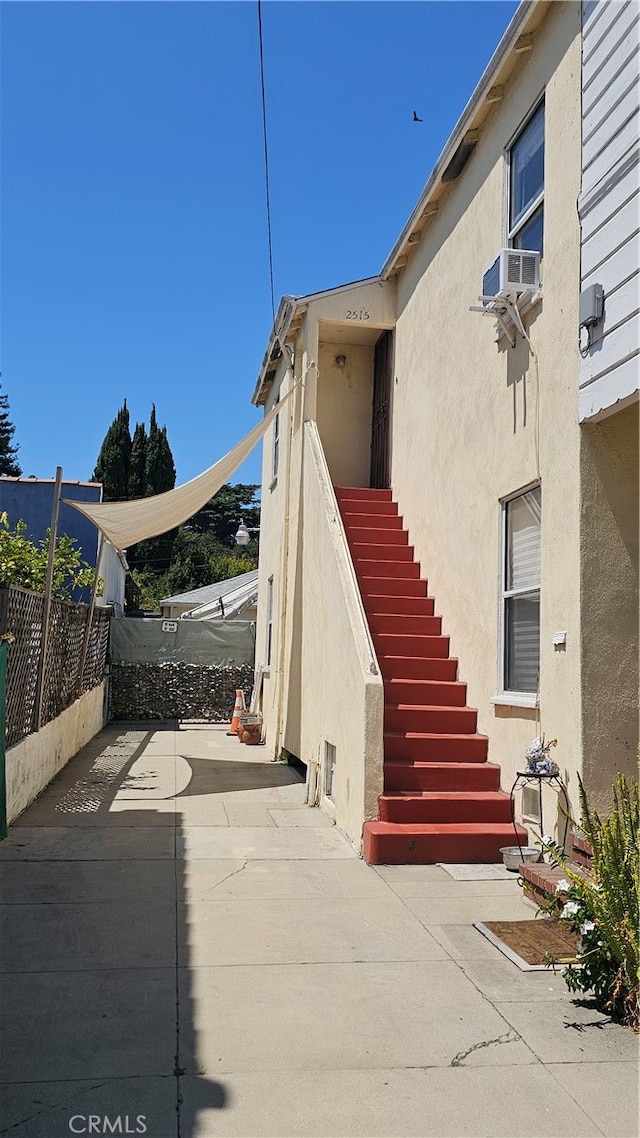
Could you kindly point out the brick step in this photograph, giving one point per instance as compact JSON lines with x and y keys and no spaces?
{"x":405,"y":625}
{"x":379,"y":522}
{"x":445,"y":806}
{"x":433,"y":720}
{"x":376,"y":605}
{"x":390,"y":843}
{"x":416,"y":667}
{"x":427,"y":647}
{"x":426,"y":693}
{"x":379,"y":585}
{"x":407,"y":776}
{"x":385,"y":552}
{"x":427,"y":747}
{"x":367,"y":567}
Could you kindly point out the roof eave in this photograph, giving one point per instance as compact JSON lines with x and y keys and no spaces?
{"x":288,"y":309}
{"x":457,"y":137}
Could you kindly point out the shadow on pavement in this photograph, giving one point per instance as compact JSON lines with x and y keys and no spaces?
{"x":98,"y":1016}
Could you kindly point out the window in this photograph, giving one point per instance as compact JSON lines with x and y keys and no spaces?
{"x":329,"y":769}
{"x":526,"y":185}
{"x":521,"y":592}
{"x":269,"y":619}
{"x":276,"y":443}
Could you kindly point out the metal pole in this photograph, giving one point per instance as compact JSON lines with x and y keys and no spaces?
{"x":48,"y":592}
{"x":92,"y":605}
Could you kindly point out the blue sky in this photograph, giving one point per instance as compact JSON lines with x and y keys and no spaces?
{"x":134,"y":251}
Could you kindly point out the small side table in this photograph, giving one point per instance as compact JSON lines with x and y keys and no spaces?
{"x":524,"y":777}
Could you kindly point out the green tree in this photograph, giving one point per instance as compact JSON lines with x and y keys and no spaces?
{"x":112,"y":467}
{"x":138,"y":462}
{"x":8,"y":462}
{"x":160,"y":471}
{"x":222,"y":513}
{"x":159,"y":476}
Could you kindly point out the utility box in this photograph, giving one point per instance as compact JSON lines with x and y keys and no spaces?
{"x":591,"y":305}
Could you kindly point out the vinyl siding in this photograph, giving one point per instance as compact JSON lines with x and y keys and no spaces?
{"x":609,"y":203}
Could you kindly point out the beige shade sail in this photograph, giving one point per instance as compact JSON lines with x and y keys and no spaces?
{"x":125,"y":523}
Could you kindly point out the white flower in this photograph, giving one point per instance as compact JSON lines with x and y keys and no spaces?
{"x":562,"y":886}
{"x":570,"y":910}
{"x":587,"y":927}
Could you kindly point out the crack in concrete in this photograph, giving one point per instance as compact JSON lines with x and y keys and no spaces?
{"x":234,"y":873}
{"x":508,"y":1037}
{"x":46,"y":1109}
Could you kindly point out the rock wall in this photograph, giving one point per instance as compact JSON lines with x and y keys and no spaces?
{"x":175,"y":690}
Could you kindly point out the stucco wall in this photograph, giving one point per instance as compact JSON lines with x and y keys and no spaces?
{"x":343,"y":698}
{"x":32,"y":763}
{"x":344,"y":409}
{"x":609,"y":585}
{"x":466,"y":411}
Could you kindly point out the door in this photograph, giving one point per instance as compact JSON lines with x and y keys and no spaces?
{"x":380,"y":475}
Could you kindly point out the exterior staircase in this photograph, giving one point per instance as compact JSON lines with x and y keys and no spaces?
{"x":442,"y":799}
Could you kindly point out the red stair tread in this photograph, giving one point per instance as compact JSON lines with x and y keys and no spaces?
{"x":390,"y":843}
{"x":431,"y":806}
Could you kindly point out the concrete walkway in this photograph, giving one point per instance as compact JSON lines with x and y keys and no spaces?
{"x":184,"y":940}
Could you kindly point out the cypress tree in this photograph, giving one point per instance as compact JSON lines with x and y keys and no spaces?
{"x":8,"y":464}
{"x":114,"y":460}
{"x":138,"y":463}
{"x":160,"y":471}
{"x":160,"y":475}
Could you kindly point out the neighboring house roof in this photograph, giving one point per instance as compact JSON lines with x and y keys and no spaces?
{"x":210,"y":594}
{"x":517,"y":41}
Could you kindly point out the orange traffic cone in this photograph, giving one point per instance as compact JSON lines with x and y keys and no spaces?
{"x":239,"y":707}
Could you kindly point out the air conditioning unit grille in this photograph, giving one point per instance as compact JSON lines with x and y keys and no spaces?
{"x":513,"y":271}
{"x":529,"y":270}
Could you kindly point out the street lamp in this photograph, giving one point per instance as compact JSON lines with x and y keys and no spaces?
{"x":243,"y":534}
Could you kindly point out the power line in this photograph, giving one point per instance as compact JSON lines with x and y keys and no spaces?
{"x":266,"y":161}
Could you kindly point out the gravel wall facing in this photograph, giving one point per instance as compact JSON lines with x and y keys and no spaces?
{"x":176,"y":690}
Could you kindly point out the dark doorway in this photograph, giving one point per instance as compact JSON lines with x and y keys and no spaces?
{"x":380,"y":476}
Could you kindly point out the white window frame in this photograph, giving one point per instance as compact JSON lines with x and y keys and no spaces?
{"x":329,"y":771}
{"x":507,"y":697}
{"x":269,"y":626}
{"x":512,"y":231}
{"x":275,"y":448}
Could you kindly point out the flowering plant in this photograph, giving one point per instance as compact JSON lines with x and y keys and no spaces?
{"x":602,"y":906}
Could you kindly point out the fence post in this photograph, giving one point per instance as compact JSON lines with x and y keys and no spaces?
{"x":48,"y":591}
{"x":92,"y":606}
{"x":4,"y":649}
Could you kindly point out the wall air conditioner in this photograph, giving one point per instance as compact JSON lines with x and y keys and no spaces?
{"x":513,"y":272}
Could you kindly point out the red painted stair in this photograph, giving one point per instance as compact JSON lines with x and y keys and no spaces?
{"x":442,"y":799}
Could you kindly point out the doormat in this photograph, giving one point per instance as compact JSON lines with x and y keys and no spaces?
{"x":476,"y":872}
{"x":529,"y":943}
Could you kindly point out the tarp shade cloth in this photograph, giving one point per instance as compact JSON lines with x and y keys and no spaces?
{"x":125,"y":523}
{"x":140,"y":640}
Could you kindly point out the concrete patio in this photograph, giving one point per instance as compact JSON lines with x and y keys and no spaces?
{"x":185,"y":941}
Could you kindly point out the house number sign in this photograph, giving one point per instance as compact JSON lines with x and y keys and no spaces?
{"x":357,"y":314}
